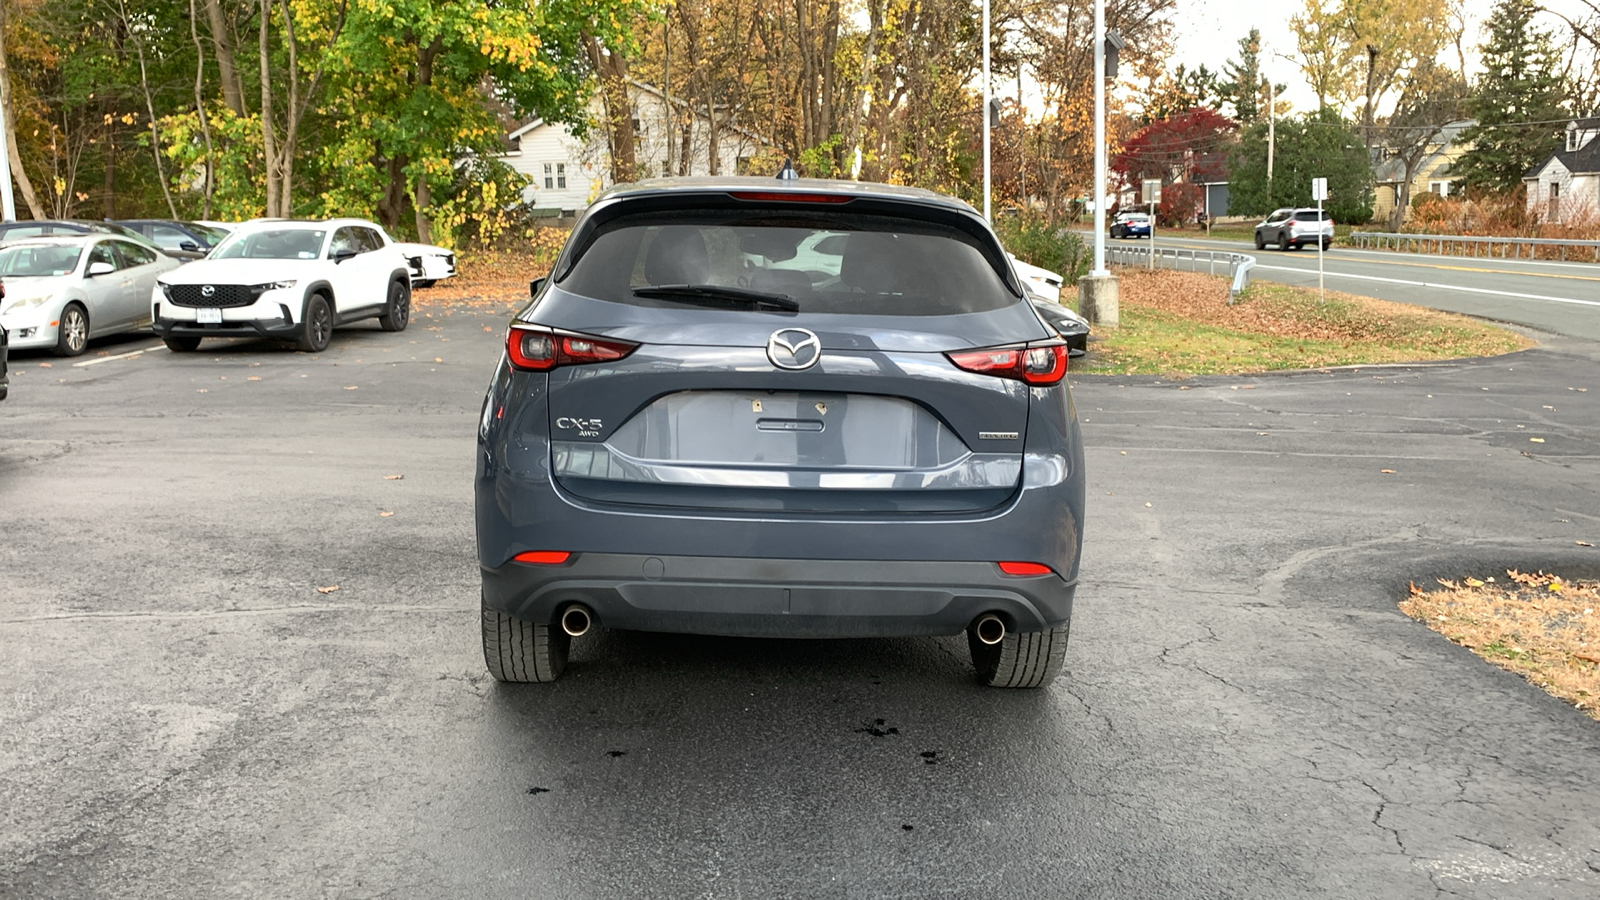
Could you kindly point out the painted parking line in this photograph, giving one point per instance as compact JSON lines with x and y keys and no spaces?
{"x":1442,"y":287}
{"x":100,"y":359}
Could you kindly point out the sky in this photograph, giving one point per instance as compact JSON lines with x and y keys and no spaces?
{"x":1209,"y":32}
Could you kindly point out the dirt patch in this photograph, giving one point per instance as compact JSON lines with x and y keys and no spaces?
{"x":1540,"y":626}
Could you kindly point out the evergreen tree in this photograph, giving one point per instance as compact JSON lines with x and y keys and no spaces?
{"x":1520,"y":84}
{"x":1242,"y":84}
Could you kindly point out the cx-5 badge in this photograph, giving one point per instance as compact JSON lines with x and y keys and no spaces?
{"x":794,"y":348}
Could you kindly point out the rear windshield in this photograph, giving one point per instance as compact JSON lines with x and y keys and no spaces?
{"x":850,"y":264}
{"x":1310,"y":215}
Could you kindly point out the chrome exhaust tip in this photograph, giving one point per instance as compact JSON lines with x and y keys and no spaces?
{"x":990,"y":629}
{"x":576,"y":620}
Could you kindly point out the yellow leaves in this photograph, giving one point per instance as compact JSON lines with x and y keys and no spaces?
{"x":1473,"y":582}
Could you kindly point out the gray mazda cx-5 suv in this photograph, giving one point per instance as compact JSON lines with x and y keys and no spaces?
{"x":782,"y":409}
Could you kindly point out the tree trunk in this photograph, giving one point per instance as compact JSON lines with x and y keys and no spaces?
{"x":108,"y":203}
{"x":200,"y":108}
{"x":269,"y":143}
{"x":612,"y":69}
{"x":423,"y":196}
{"x":15,"y":161}
{"x":222,"y":41}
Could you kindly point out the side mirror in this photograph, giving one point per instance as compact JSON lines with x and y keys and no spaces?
{"x":190,"y":246}
{"x":340,"y":256}
{"x":535,"y":286}
{"x":100,"y":268}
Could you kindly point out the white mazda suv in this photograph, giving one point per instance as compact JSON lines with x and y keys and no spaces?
{"x":294,"y":280}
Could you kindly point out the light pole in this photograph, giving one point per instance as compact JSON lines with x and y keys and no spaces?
{"x":987,"y":94}
{"x":1097,"y":291}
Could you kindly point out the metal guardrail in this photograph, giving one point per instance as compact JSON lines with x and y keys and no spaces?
{"x":1445,"y":244}
{"x":1237,"y":265}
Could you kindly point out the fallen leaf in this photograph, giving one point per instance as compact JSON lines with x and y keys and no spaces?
{"x":385,"y":514}
{"x":1583,"y":543}
{"x":1587,"y":657}
{"x":1387,"y":471}
{"x":1147,"y":506}
{"x":253,"y":378}
{"x":328,"y":590}
{"x":438,"y":359}
{"x":44,"y":365}
{"x":201,"y":391}
{"x":1536,"y":440}
{"x":1473,"y":582}
{"x":393,"y":477}
{"x":350,"y":387}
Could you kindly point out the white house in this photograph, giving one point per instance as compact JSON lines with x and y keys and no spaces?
{"x":1566,"y":187}
{"x":671,"y":138}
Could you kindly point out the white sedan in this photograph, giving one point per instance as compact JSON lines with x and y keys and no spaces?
{"x":285,"y":279}
{"x":63,"y":290}
{"x":429,"y":264}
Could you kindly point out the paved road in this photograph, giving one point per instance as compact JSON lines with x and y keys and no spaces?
{"x":1245,"y":714}
{"x":1562,"y":298}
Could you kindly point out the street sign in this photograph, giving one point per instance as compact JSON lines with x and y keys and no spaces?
{"x":1152,"y":191}
{"x":1319,"y":188}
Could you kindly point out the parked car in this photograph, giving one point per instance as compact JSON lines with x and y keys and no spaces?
{"x":684,"y":436}
{"x":1073,"y":328}
{"x":12,"y":231}
{"x":429,"y":264}
{"x":1292,"y":229}
{"x":5,"y":348}
{"x":187,"y":238}
{"x":63,"y":291}
{"x":1130,"y":225}
{"x":1043,"y":282}
{"x":285,"y":279}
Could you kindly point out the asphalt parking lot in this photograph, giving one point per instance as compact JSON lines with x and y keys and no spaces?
{"x":1245,"y":713}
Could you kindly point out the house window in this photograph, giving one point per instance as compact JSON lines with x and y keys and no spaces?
{"x":1554,"y":214}
{"x":549,"y":182}
{"x":561,"y":175}
{"x":1442,"y":188}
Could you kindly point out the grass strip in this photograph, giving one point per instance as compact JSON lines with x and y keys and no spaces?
{"x":1540,"y":626}
{"x":1177,"y":324}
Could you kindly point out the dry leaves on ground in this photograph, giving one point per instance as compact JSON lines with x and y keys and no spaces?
{"x":1540,"y":626}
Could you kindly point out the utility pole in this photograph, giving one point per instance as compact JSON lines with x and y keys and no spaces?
{"x":987,"y":95}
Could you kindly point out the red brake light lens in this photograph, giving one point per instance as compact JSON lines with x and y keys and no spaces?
{"x":1025,"y":568}
{"x":1040,"y":364}
{"x":539,"y":350}
{"x":787,"y":197}
{"x":543,"y":557}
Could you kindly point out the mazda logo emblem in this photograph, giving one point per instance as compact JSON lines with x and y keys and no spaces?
{"x":794,"y":349}
{"x":208,"y":291}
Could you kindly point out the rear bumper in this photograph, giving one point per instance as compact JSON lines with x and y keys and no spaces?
{"x":779,"y":597}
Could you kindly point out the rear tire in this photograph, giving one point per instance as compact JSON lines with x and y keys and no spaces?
{"x":182,"y":344}
{"x":1027,"y":660}
{"x":523,"y":652}
{"x":316,"y":327}
{"x":398,"y":312}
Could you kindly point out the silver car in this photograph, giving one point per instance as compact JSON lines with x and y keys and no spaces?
{"x":61,"y":291}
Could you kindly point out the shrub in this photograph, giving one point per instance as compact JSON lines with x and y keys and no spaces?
{"x":1039,"y":241}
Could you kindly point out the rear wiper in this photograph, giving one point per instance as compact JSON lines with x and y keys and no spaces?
{"x":717,"y":295}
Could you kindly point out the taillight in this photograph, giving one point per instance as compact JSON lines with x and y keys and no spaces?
{"x":1041,"y":364}
{"x":540,"y":350}
{"x":787,"y":197}
{"x":1025,"y":568}
{"x":543,"y":557}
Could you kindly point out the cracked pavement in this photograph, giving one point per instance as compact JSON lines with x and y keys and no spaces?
{"x":1245,"y":713}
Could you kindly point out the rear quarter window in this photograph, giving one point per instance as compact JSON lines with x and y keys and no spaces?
{"x":838,"y":264}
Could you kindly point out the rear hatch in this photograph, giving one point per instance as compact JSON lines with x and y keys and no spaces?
{"x":785,"y":358}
